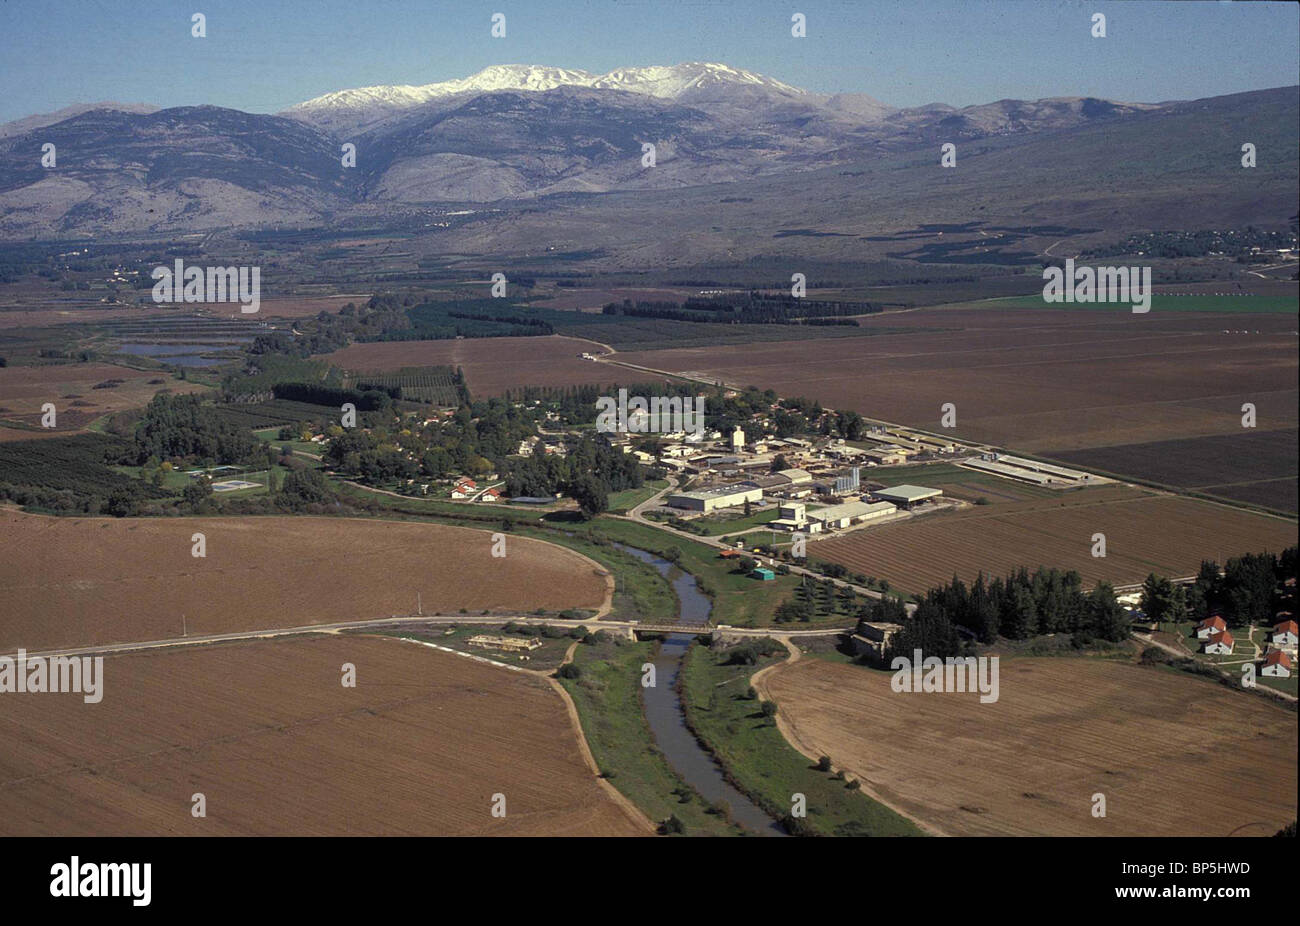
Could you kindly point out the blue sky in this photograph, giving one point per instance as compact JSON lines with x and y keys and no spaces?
{"x":264,"y":55}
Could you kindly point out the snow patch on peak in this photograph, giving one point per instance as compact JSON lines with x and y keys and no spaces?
{"x":661,"y":81}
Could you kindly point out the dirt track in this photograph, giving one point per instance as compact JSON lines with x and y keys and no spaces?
{"x":82,"y":581}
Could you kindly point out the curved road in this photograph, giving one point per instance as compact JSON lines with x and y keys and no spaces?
{"x":637,"y":514}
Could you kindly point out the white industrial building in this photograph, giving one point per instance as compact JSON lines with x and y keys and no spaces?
{"x":840,"y":516}
{"x":707,"y":500}
{"x":905,"y":496}
{"x":794,"y":517}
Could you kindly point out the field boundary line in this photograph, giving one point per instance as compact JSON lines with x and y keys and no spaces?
{"x":791,"y":734}
{"x":625,"y":803}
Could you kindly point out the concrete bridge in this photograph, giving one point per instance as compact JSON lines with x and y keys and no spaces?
{"x":695,"y":629}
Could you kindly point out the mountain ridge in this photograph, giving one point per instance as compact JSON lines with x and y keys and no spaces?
{"x":209,"y":167}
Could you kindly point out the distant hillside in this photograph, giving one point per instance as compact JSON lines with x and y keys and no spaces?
{"x":1176,"y":167}
{"x":744,"y":165}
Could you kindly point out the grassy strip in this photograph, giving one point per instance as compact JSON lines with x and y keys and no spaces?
{"x":761,"y":764}
{"x":715,"y":527}
{"x":608,"y":698}
{"x":738,"y":600}
{"x":625,"y":501}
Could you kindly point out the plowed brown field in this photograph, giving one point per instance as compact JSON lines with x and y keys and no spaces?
{"x":1034,"y":380}
{"x":492,"y":365}
{"x":70,"y":387}
{"x":80,"y":581}
{"x":1174,"y":755}
{"x":1164,"y":534}
{"x":266,"y":732}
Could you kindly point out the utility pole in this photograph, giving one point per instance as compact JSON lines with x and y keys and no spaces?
{"x":419,"y":607}
{"x":184,"y":630}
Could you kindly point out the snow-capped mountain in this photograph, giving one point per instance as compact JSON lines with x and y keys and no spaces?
{"x":664,"y":82}
{"x":363,"y":108}
{"x":507,"y":133}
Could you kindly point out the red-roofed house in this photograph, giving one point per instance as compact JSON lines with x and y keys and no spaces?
{"x":1286,"y":633}
{"x":1220,"y":644}
{"x":1277,"y":664}
{"x":491,"y":495}
{"x":1210,"y":626}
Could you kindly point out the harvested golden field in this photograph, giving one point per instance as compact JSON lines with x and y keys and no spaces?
{"x":492,"y":365}
{"x":1165,"y":534}
{"x":71,"y":387}
{"x":1174,"y":755}
{"x":68,"y":582}
{"x":277,"y":746}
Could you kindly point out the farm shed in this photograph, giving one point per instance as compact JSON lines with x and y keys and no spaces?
{"x":840,"y":516}
{"x":905,"y":496}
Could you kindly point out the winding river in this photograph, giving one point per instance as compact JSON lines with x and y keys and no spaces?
{"x":667,"y":719}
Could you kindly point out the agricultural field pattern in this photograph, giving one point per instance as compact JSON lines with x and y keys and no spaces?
{"x":653,"y":422}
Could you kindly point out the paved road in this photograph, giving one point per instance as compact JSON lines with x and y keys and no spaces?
{"x":391,"y":621}
{"x":638,"y":514}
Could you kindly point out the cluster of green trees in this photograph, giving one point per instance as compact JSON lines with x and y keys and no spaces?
{"x":1022,"y":605}
{"x":751,"y":651}
{"x":752,"y":308}
{"x":1243,"y":592}
{"x":1025,"y":604}
{"x":366,"y":400}
{"x":479,"y":438}
{"x":589,"y":473}
{"x":468,"y":442}
{"x":816,"y":597}
{"x":70,"y":475}
{"x":183,"y":427}
{"x":464,"y":318}
{"x":383,"y":314}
